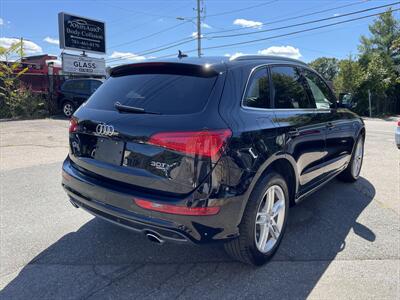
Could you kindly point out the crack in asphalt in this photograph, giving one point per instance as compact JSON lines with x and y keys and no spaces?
{"x":116,"y":279}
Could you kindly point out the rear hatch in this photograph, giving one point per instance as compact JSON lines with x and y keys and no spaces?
{"x":152,"y":126}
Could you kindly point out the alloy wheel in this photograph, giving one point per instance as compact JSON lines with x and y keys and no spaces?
{"x":68,"y":110}
{"x":358,"y":158}
{"x":270,"y":218}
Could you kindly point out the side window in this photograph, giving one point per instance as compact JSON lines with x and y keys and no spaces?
{"x":67,"y":86}
{"x":95,"y":85}
{"x":289,"y":88}
{"x":258,"y":90}
{"x":322,"y":94}
{"x":82,"y":86}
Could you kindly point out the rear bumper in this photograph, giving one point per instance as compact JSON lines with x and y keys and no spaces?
{"x":116,"y":205}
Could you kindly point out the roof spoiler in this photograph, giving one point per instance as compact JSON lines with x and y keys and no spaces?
{"x":164,"y":68}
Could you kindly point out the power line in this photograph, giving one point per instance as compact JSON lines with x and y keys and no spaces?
{"x":295,"y":17}
{"x":152,"y":20}
{"x":150,"y":35}
{"x":290,"y":33}
{"x":185,"y":41}
{"x":241,"y":9}
{"x":300,"y":36}
{"x":281,"y":20}
{"x":149,"y":51}
{"x":303,"y":23}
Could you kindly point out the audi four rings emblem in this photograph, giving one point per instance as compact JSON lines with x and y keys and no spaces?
{"x":104,"y":129}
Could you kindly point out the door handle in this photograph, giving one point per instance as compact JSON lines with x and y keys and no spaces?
{"x":330,"y":125}
{"x":294,"y":132}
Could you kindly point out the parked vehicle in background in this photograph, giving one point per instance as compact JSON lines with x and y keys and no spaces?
{"x":74,"y":92}
{"x":397,"y":135}
{"x":346,"y":100}
{"x":210,"y":149}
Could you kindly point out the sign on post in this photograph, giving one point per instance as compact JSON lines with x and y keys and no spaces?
{"x":81,"y":34}
{"x":84,"y":65}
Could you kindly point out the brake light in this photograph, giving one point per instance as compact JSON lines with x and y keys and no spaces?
{"x":177,"y":210}
{"x":398,"y":123}
{"x":205,"y":143}
{"x":73,"y":125}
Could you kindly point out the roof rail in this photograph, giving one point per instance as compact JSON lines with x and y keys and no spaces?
{"x":272,"y":57}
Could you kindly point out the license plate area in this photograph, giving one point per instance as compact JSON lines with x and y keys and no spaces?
{"x":109,"y":151}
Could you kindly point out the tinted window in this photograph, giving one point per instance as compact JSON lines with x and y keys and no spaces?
{"x":289,"y":89}
{"x":319,"y":89}
{"x":162,"y":93}
{"x":258,"y":90}
{"x":95,"y":85}
{"x":67,"y":86}
{"x":79,"y":86}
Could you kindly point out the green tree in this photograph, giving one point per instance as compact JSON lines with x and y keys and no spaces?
{"x":349,"y":77}
{"x":384,"y":32}
{"x":378,"y":78}
{"x":326,"y":66}
{"x":380,"y":60}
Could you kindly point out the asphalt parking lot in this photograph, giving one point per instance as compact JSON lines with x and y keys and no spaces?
{"x":342,"y":242}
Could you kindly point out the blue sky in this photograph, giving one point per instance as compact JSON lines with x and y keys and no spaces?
{"x":127,"y":22}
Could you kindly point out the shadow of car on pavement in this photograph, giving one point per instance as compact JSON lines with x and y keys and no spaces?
{"x":101,"y":260}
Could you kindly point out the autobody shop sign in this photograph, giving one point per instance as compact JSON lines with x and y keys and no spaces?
{"x":81,"y":34}
{"x":78,"y":64}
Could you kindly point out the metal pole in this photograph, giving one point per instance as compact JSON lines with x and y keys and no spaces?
{"x":21,"y":51}
{"x":198,"y":29}
{"x":369,"y":102}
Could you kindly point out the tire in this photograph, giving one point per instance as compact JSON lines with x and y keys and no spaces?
{"x":246,"y":248}
{"x":350,"y":174}
{"x":68,"y":109}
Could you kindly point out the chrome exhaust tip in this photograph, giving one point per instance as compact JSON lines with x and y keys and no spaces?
{"x":73,"y":204}
{"x":155,"y":238}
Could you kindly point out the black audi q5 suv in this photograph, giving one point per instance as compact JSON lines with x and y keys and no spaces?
{"x":209,"y":149}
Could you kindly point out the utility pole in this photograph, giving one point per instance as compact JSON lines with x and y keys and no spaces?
{"x":369,"y":103}
{"x":198,"y":28}
{"x":21,"y":51}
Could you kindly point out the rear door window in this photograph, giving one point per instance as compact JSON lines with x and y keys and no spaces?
{"x":322,"y":94}
{"x":162,"y":93}
{"x":257,"y":94}
{"x":289,"y":89}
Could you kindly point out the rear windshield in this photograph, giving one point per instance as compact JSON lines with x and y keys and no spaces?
{"x":161,"y":93}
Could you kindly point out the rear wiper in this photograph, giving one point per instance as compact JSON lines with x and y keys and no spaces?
{"x":132,"y":109}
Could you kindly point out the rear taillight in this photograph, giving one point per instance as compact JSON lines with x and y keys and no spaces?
{"x":73,"y":125}
{"x":204,"y":143}
{"x":398,"y":124}
{"x":177,"y":210}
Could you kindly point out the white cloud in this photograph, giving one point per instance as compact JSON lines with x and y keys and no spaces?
{"x":29,"y":47}
{"x":194,"y":35}
{"x":1,"y":21}
{"x":205,"y":25}
{"x":247,"y":23}
{"x":127,"y":56}
{"x":51,"y":40}
{"x":287,"y":51}
{"x":336,"y":15}
{"x":234,"y":55}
